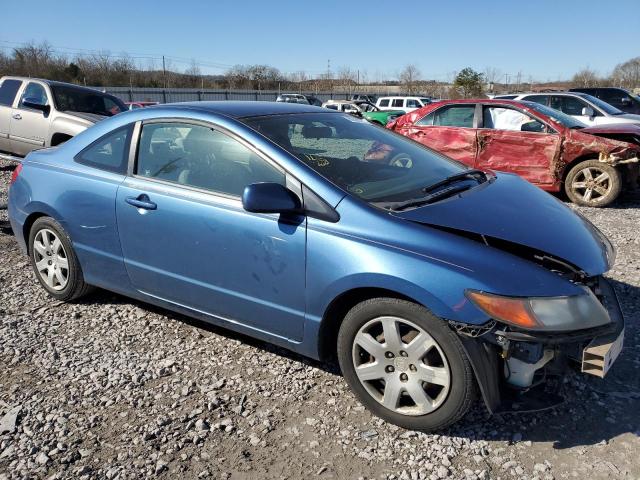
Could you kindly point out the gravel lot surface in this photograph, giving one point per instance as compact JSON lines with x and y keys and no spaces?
{"x":111,"y":388}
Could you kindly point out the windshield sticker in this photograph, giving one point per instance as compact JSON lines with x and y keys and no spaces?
{"x":319,"y":161}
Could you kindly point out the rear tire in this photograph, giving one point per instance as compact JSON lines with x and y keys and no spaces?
{"x":592,"y":183}
{"x":419,"y":379}
{"x":54,"y":261}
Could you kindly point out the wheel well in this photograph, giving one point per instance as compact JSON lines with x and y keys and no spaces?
{"x":28,"y":223}
{"x":574,"y":162}
{"x":336,"y":311}
{"x":59,"y":138}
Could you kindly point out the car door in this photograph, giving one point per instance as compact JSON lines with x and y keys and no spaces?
{"x":29,"y":127}
{"x":8,"y":91}
{"x":449,"y":130}
{"x":513,"y":141}
{"x":187,"y":240}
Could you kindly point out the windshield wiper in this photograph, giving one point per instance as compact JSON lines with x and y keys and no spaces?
{"x":439,"y":195}
{"x":473,"y":173}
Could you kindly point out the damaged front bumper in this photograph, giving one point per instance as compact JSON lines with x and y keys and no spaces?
{"x":523,"y":371}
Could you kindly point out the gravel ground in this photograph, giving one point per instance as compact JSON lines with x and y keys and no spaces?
{"x":111,"y":388}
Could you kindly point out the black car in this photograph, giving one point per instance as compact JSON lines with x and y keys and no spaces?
{"x":618,"y":97}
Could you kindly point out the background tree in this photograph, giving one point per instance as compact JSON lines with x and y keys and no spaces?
{"x":468,"y":83}
{"x":492,"y":76}
{"x":627,"y":74}
{"x":585,"y":78}
{"x":194,"y":75}
{"x":409,"y":77}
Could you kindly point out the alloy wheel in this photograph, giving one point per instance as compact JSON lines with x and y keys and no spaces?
{"x":401,"y":366}
{"x":591,"y":184}
{"x":52,"y":262}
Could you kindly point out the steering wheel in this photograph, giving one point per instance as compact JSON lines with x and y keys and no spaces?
{"x":401,"y":160}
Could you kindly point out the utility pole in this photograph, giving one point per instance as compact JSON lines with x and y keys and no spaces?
{"x":164,"y":73}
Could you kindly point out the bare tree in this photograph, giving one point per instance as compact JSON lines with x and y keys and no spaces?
{"x":194,"y":75}
{"x":492,"y":76}
{"x":585,"y":78}
{"x":627,"y":74}
{"x":408,"y":77}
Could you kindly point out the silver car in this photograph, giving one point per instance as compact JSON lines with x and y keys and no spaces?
{"x":588,"y":109}
{"x":36,"y":113}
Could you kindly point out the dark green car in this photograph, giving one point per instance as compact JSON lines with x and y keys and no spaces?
{"x":364,"y":109}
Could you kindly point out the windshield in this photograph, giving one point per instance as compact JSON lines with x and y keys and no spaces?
{"x":607,"y":108}
{"x":370,"y":162}
{"x":560,"y":117}
{"x":86,"y":101}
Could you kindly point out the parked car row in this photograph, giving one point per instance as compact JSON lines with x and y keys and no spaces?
{"x":364,"y":109}
{"x":431,"y":282}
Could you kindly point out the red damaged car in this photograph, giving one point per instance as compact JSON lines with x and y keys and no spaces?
{"x":546,"y":147}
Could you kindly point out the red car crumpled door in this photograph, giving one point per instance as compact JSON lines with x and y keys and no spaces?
{"x":454,"y":142}
{"x":507,"y":144}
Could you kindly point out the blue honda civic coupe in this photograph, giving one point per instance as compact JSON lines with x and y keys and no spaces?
{"x":319,"y":232}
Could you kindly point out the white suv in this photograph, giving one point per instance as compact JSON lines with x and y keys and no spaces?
{"x":589,"y":110}
{"x":407,"y":104}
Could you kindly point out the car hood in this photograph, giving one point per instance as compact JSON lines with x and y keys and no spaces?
{"x":625,"y":118}
{"x":90,"y":117}
{"x":514,"y":211}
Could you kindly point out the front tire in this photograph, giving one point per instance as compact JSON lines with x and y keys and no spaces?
{"x":593,"y":184}
{"x":54,"y":261}
{"x":405,"y":364}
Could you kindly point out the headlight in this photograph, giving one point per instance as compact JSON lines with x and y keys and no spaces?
{"x":543,"y":313}
{"x":391,"y":118}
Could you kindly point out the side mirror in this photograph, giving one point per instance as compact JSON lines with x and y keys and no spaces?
{"x":588,"y":112}
{"x":626,"y":101}
{"x":270,"y":197}
{"x":36,"y":104}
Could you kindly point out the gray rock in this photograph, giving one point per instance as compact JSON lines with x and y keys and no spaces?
{"x":9,"y":420}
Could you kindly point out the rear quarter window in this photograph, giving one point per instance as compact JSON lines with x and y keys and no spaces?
{"x":8,"y":90}
{"x":110,"y":152}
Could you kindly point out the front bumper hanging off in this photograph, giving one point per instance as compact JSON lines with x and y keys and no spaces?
{"x":594,"y":350}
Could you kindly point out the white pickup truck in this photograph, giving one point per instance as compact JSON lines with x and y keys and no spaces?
{"x":37,"y":113}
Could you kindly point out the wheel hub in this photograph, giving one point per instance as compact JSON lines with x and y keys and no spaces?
{"x":401,"y":364}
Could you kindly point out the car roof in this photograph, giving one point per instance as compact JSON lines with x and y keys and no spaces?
{"x":55,"y":83}
{"x":496,"y":101}
{"x":240,"y":109}
{"x":404,"y":96}
{"x":567,"y":94}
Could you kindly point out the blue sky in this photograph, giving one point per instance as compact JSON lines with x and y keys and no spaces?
{"x":547,"y":40}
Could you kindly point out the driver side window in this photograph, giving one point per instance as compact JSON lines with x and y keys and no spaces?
{"x":201,"y":157}
{"x":34,"y":92}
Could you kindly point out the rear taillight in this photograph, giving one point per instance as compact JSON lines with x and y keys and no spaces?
{"x":16,"y":172}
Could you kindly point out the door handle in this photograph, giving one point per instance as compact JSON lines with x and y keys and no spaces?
{"x":17,"y":116}
{"x":141,"y":201}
